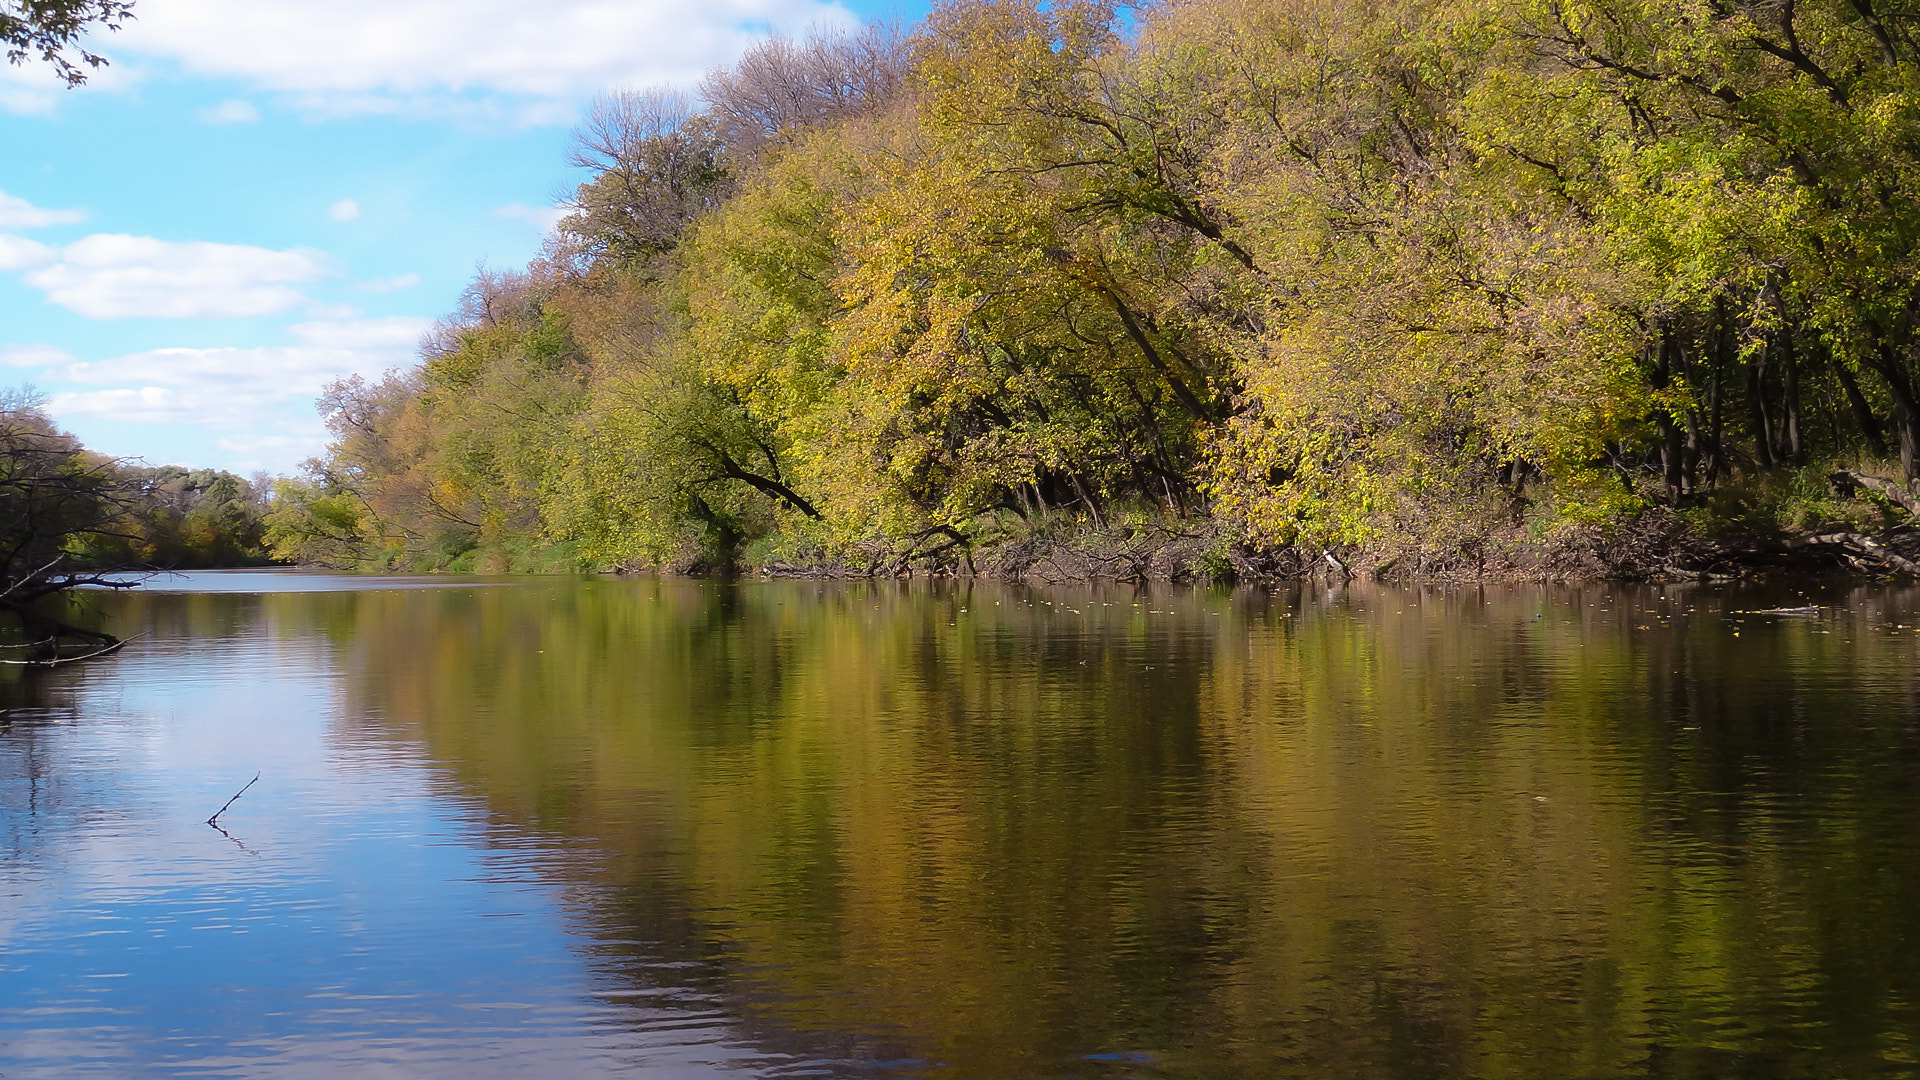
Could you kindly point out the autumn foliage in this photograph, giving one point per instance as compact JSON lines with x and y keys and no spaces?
{"x":1330,"y":274}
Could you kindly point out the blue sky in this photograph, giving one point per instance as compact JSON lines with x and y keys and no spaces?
{"x":260,"y":196}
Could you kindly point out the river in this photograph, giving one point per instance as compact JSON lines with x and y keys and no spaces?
{"x":685,"y":829}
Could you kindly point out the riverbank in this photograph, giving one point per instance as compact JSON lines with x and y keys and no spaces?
{"x":1866,"y":528}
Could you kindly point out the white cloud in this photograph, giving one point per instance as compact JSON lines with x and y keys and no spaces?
{"x":34,"y":356}
{"x":32,"y":88}
{"x":29,"y":89}
{"x":543,"y":218}
{"x":18,"y":213}
{"x":113,"y":276}
{"x":146,"y":405}
{"x":268,"y":370}
{"x":258,"y":401}
{"x":398,"y":332}
{"x":313,"y":439}
{"x":230,"y":111}
{"x":344,"y":210}
{"x":258,"y":451}
{"x":383,"y":54}
{"x":26,"y":101}
{"x":20,"y":253}
{"x":223,"y":387}
{"x":388,"y":284}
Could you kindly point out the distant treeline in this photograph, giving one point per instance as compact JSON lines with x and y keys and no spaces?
{"x":65,"y":509}
{"x":1334,"y":274}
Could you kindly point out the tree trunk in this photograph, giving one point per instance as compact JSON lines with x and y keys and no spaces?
{"x":1905,"y":420}
{"x":1716,"y":397}
{"x":768,"y":486}
{"x":1862,"y":412}
{"x":1757,"y":403}
{"x":1792,"y":418}
{"x":1906,"y":412}
{"x":1093,"y":508}
{"x":1670,"y":441}
{"x":1696,"y":450}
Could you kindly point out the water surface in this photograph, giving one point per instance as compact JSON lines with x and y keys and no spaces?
{"x":691,"y":829}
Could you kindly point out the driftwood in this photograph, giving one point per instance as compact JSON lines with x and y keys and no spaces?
{"x":1863,"y":548}
{"x":55,"y":661}
{"x":1683,"y":574}
{"x":1847,"y":481}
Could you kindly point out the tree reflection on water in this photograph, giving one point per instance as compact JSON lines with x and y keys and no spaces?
{"x":984,"y":831}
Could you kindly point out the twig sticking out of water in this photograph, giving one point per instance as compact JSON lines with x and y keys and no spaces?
{"x":215,"y":819}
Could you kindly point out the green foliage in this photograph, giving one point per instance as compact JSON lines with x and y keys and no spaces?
{"x":314,"y":524}
{"x":68,"y":516}
{"x":1392,"y":273}
{"x":184,"y":519}
{"x":59,"y":501}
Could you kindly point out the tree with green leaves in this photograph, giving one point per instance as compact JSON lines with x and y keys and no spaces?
{"x":57,"y":501}
{"x":1398,"y":277}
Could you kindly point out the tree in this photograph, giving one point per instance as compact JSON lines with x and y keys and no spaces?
{"x":50,"y":30}
{"x":315,"y":522}
{"x":189,"y":519}
{"x":54,"y":498}
{"x":1407,"y":275}
{"x":782,"y":87}
{"x":658,"y":166}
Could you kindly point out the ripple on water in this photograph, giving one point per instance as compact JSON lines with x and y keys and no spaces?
{"x":793,"y":829}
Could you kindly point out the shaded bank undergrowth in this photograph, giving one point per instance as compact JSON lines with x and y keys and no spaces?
{"x":1864,"y":525}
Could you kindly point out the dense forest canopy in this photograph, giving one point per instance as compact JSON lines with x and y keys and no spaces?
{"x":1392,"y":275}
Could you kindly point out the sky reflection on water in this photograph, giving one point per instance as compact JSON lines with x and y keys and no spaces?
{"x":680,"y":829}
{"x":359,"y":915}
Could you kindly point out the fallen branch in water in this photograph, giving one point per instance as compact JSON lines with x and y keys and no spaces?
{"x":215,"y":819}
{"x":1867,"y":547}
{"x":55,"y":661}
